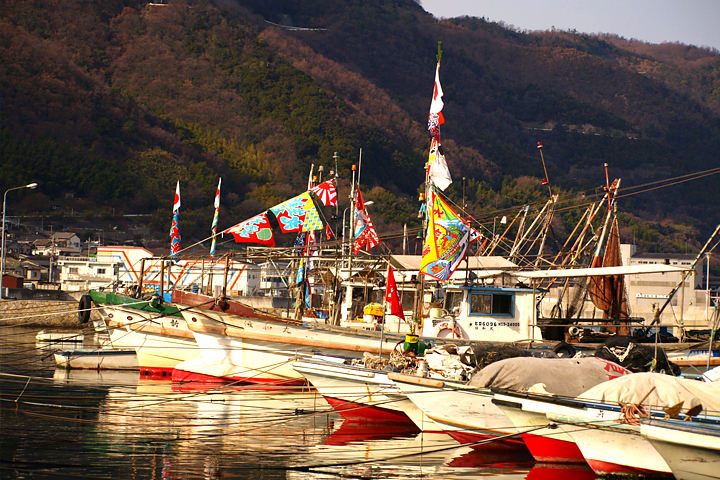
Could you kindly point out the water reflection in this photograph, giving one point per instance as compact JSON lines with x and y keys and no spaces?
{"x":116,"y":424}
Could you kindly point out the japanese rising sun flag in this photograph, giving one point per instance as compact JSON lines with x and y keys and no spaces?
{"x":175,"y":227}
{"x":297,"y":214}
{"x":446,"y":242}
{"x":326,"y":192}
{"x":365,"y":234}
{"x":435,"y":119}
{"x":254,"y":230}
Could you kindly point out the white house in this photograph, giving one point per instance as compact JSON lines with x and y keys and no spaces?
{"x":86,"y":273}
{"x":59,"y":243}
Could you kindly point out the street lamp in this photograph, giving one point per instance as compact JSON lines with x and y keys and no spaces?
{"x":2,"y":248}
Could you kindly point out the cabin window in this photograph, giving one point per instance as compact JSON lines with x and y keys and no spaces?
{"x":490,"y":304}
{"x":101,"y":271}
{"x":73,"y":269}
{"x":453,"y":301}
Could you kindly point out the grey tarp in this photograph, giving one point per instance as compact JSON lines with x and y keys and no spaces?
{"x":668,"y":391}
{"x":560,"y":376}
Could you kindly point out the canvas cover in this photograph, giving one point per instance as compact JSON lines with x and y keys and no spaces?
{"x":559,"y":376}
{"x":668,"y":391}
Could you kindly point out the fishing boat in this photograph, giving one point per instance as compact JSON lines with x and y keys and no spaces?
{"x":362,"y":393}
{"x":500,"y":311}
{"x":691,"y":449}
{"x":464,"y":412}
{"x":604,"y":421}
{"x":467,"y":412}
{"x":546,"y":442}
{"x":155,"y":330}
{"x":239,"y":343}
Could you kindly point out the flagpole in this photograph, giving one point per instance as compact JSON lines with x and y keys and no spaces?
{"x":352,"y":232}
{"x":435,"y":119}
{"x":382,"y":324}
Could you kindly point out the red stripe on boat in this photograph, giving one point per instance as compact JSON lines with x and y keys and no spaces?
{"x":552,"y":450}
{"x":352,"y":410}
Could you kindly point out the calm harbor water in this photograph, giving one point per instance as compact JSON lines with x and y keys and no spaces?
{"x":112,"y":424}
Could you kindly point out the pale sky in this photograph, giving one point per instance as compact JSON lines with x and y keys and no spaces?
{"x":694,"y":22}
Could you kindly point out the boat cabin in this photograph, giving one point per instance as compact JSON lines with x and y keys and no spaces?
{"x":485,"y":313}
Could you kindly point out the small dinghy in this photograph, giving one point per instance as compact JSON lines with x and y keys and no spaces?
{"x":97,"y":359}
{"x":43,"y":336}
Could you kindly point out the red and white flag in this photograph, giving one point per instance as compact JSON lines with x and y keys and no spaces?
{"x":175,"y":227}
{"x":435,"y":119}
{"x":326,"y":192}
{"x":365,"y":234}
{"x":392,"y":298}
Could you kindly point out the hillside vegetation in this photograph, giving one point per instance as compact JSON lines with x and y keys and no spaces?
{"x":107,"y":104}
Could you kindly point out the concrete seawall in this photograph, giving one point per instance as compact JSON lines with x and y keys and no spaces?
{"x":42,"y":313}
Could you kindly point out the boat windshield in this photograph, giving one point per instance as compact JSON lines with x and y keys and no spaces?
{"x":453,"y":300}
{"x":491,"y":304}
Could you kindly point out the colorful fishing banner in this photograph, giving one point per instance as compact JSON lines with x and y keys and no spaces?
{"x":213,"y":227}
{"x":435,"y":118}
{"x":297,"y":214}
{"x":175,"y":227}
{"x":308,"y":295}
{"x":365,"y":234}
{"x":392,"y":298}
{"x":446,"y":242}
{"x":301,"y":272}
{"x":254,"y":230}
{"x":326,"y":192}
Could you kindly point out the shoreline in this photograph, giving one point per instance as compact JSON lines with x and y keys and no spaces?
{"x":43,"y":313}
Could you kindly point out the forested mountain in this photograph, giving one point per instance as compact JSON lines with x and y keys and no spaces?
{"x":107,"y":104}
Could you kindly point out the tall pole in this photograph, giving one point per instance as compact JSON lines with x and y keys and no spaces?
{"x":162,"y":278}
{"x":352,"y":233}
{"x":140,"y":279}
{"x":707,"y":289}
{"x":2,"y":247}
{"x":542,"y":159}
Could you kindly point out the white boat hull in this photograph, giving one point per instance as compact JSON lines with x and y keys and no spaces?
{"x":261,"y":351}
{"x":361,"y":393}
{"x":611,"y":447}
{"x":547,"y":443}
{"x":97,"y":359}
{"x":160,"y":342}
{"x":232,"y":359}
{"x":691,"y":455}
{"x":465,"y":413}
